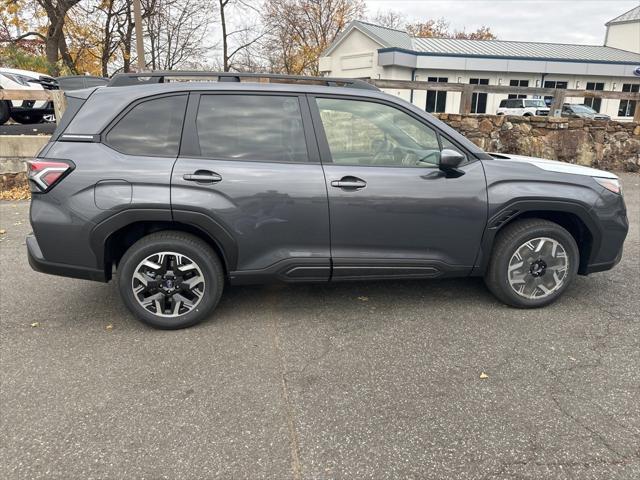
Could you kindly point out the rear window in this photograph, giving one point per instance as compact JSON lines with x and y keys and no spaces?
{"x":251,"y":127}
{"x":150,"y":128}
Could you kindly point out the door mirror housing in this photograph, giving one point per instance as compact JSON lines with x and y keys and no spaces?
{"x":450,"y":160}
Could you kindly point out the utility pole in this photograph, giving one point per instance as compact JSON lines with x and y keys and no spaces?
{"x":137,"y":18}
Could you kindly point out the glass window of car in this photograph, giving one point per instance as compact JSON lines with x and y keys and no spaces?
{"x":251,"y":127}
{"x":150,"y":128}
{"x":368,"y":133}
{"x":535,"y":103}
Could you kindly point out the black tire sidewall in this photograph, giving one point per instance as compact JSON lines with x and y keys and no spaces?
{"x":501,"y":264}
{"x":5,"y":111}
{"x":204,"y":258}
{"x":27,"y":118}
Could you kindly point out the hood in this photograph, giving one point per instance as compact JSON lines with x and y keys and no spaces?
{"x":555,"y":166}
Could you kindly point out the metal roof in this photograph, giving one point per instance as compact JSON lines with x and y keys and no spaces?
{"x":524,"y":50}
{"x":397,"y":39}
{"x":632,"y":15}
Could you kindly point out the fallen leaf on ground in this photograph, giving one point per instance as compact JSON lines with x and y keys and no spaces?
{"x":16,"y":193}
{"x":109,"y":327}
{"x":483,"y":376}
{"x":35,"y":324}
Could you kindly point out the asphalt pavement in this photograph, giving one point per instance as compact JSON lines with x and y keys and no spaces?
{"x":416,"y":379}
{"x":30,"y":129}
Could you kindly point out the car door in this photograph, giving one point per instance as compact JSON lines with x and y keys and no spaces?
{"x":393,"y":212}
{"x":249,"y":175}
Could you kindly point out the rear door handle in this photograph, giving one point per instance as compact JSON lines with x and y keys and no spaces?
{"x":349,"y":182}
{"x":202,"y":176}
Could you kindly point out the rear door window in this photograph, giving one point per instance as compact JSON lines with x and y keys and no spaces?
{"x":251,"y":127}
{"x":151,"y":128}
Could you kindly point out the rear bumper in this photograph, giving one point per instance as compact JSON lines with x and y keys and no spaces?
{"x":39,"y":264}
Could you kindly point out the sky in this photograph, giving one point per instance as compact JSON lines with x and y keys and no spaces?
{"x":561,"y":21}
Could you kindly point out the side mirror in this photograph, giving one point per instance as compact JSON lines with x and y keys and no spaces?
{"x":450,"y":160}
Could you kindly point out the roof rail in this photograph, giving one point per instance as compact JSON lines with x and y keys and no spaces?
{"x":142,"y":78}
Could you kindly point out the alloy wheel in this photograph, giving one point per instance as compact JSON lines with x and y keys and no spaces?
{"x":538,"y":268}
{"x":168,"y":284}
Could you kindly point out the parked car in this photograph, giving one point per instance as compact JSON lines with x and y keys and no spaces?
{"x":182,"y":187}
{"x":25,"y":111}
{"x":575,"y":110}
{"x":77,"y":82}
{"x":523,"y":107}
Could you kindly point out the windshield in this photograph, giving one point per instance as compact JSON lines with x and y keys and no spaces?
{"x":535,"y":103}
{"x":582,"y":109}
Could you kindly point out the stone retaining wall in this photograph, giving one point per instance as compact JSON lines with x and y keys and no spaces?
{"x":602,"y":144}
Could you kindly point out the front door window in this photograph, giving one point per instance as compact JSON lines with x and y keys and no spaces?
{"x":368,"y":133}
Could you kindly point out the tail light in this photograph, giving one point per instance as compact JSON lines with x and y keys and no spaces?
{"x":44,"y":174}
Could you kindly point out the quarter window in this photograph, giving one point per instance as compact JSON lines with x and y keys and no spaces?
{"x":151,"y":128}
{"x":368,"y":133}
{"x":251,"y":127}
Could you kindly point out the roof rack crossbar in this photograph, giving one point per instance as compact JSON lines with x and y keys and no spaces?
{"x":142,"y":78}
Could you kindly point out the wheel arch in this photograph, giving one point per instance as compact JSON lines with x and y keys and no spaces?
{"x":573,"y":217}
{"x":111,"y":238}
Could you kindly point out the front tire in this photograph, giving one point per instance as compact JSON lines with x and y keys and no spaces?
{"x":5,"y":111}
{"x":170,"y":280}
{"x":532,"y":263}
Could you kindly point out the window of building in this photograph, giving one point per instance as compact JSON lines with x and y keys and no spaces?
{"x":518,"y":83}
{"x":627,"y":108}
{"x":368,"y":133}
{"x":436,"y":100}
{"x":479,"y":100}
{"x":594,"y":103}
{"x":251,"y":127}
{"x":553,"y":84}
{"x":151,"y":128}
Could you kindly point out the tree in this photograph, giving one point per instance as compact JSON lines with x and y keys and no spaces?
{"x":300,"y":30}
{"x":54,"y":38}
{"x":440,"y":28}
{"x":237,"y":37}
{"x":389,"y":19}
{"x":175,"y":33}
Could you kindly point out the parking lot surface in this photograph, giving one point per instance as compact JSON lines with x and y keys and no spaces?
{"x":31,"y":129}
{"x":417,"y":379}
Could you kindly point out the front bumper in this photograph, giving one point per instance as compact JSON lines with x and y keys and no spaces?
{"x":40,"y":264}
{"x":613,"y":226}
{"x":29,"y":107}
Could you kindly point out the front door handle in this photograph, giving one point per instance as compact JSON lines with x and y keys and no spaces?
{"x":202,"y":176}
{"x":349,"y":182}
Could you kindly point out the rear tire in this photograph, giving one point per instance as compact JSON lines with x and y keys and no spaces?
{"x":27,"y":118}
{"x":532,"y":263}
{"x":170,"y":280}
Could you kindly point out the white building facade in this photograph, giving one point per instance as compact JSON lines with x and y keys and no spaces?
{"x":365,"y":50}
{"x":623,"y":32}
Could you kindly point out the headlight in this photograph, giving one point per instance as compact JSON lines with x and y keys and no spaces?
{"x":611,"y":184}
{"x":19,"y":79}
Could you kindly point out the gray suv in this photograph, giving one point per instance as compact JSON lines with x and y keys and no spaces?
{"x":183,"y":187}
